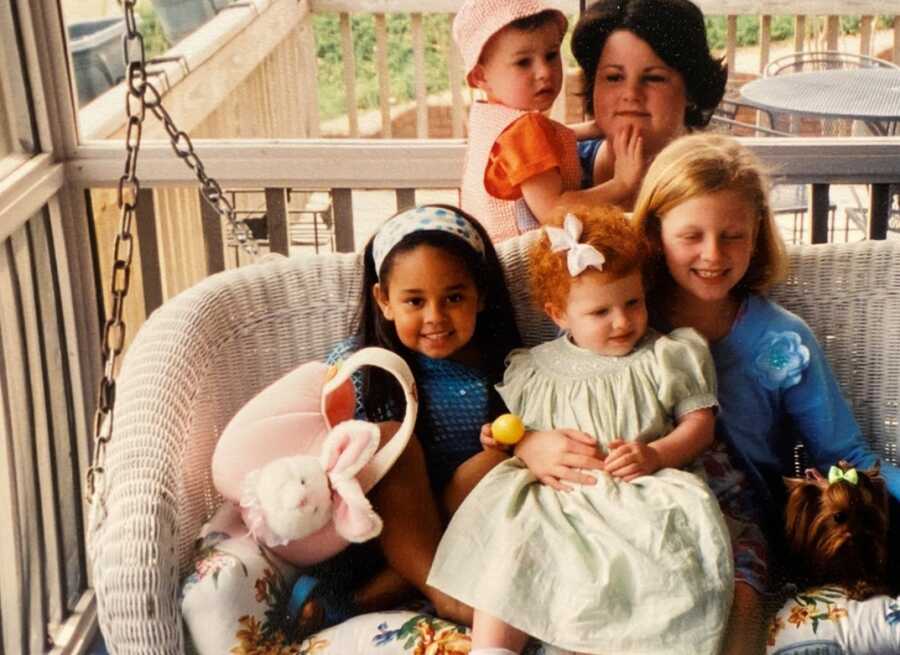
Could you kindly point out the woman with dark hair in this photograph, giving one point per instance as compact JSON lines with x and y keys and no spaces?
{"x":648,"y":76}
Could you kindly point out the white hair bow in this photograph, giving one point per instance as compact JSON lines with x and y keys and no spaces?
{"x":581,"y":255}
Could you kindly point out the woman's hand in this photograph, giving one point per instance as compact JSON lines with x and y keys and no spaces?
{"x":631,"y":460}
{"x":557,"y":455}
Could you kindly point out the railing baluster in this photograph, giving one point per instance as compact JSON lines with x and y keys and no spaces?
{"x":799,"y":32}
{"x":349,"y":59}
{"x":384,"y":82}
{"x":879,"y":210}
{"x":865,"y":36}
{"x":213,"y":245}
{"x":832,"y":32}
{"x":418,"y":40}
{"x":406,"y":199}
{"x":277,"y":221}
{"x":454,"y":64}
{"x":730,"y":41}
{"x":342,"y":202}
{"x":765,"y":31}
{"x":897,"y":39}
{"x":311,"y":88}
{"x":148,"y":247}
{"x":819,"y":233}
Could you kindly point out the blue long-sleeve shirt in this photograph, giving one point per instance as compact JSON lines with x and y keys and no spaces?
{"x":771,"y":394}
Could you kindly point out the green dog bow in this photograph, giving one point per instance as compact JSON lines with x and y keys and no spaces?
{"x":837,"y":475}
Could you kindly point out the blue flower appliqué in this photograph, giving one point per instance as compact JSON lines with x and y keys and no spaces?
{"x":781,"y":360}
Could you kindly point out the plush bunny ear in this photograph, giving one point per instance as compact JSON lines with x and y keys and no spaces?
{"x":348,"y":448}
{"x":353,"y":516}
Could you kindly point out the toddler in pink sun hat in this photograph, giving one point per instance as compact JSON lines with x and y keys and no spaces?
{"x":519,"y":162}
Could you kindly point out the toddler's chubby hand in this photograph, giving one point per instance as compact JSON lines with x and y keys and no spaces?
{"x":488,"y":441}
{"x":630,"y":460}
{"x":555,"y":456}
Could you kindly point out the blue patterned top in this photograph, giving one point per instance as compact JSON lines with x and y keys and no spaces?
{"x":455,"y":402}
{"x":587,"y":155}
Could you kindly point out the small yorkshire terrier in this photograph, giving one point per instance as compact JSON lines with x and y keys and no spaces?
{"x":836,"y":529}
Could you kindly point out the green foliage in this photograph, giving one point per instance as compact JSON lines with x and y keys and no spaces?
{"x":436,"y":29}
{"x":155,"y":42}
{"x":747,"y":30}
{"x":436,"y":35}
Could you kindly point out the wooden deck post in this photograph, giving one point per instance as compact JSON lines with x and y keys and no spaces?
{"x":213,"y":245}
{"x":148,"y":247}
{"x":277,"y":220}
{"x":342,"y":202}
{"x":819,"y":213}
{"x":879,"y":211}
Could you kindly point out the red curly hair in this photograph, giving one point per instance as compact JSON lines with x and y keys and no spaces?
{"x":607,"y":229}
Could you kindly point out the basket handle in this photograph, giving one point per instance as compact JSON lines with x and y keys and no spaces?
{"x":395,"y":365}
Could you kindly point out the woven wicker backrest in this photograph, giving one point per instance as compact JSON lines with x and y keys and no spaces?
{"x":202,"y":355}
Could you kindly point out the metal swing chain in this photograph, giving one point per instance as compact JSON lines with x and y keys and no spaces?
{"x":113,"y":337}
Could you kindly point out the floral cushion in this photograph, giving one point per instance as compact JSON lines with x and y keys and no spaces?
{"x":235,"y":601}
{"x":823,"y":621}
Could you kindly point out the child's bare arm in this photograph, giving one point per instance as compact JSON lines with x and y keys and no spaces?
{"x":542,"y":192}
{"x":585,"y":130}
{"x":692,"y":435}
{"x":626,"y":159}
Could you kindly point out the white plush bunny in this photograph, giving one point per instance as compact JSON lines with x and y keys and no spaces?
{"x":298,"y":465}
{"x":292,"y":497}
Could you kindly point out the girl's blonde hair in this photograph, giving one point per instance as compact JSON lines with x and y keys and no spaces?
{"x":701,"y":164}
{"x":604,"y":227}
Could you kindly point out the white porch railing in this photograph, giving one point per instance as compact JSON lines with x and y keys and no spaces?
{"x":405,"y":166}
{"x":199,"y":74}
{"x":802,"y":11}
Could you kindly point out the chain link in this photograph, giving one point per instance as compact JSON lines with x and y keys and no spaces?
{"x":141,"y":95}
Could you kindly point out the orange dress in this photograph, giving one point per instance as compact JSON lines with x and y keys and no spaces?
{"x":506,"y":148}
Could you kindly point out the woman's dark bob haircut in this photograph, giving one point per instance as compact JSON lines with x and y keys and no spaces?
{"x":676,"y":31}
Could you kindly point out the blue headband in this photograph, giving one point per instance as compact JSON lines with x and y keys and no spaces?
{"x":422,"y":219}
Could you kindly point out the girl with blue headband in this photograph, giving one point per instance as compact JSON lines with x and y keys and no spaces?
{"x":434,"y":293}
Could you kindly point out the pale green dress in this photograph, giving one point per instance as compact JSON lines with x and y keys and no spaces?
{"x":617,"y":567}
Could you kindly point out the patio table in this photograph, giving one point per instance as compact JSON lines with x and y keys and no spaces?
{"x":870,"y":95}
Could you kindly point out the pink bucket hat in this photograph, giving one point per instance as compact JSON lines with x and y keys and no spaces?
{"x":478,"y":20}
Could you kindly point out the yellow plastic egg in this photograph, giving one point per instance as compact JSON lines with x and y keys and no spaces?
{"x":507,"y":429}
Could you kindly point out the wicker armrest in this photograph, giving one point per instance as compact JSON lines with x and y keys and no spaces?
{"x":197,"y":360}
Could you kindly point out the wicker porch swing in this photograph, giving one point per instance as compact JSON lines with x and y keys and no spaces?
{"x":203,"y":354}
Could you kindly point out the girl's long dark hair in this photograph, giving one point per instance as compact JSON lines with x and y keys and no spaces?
{"x":495,"y":335}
